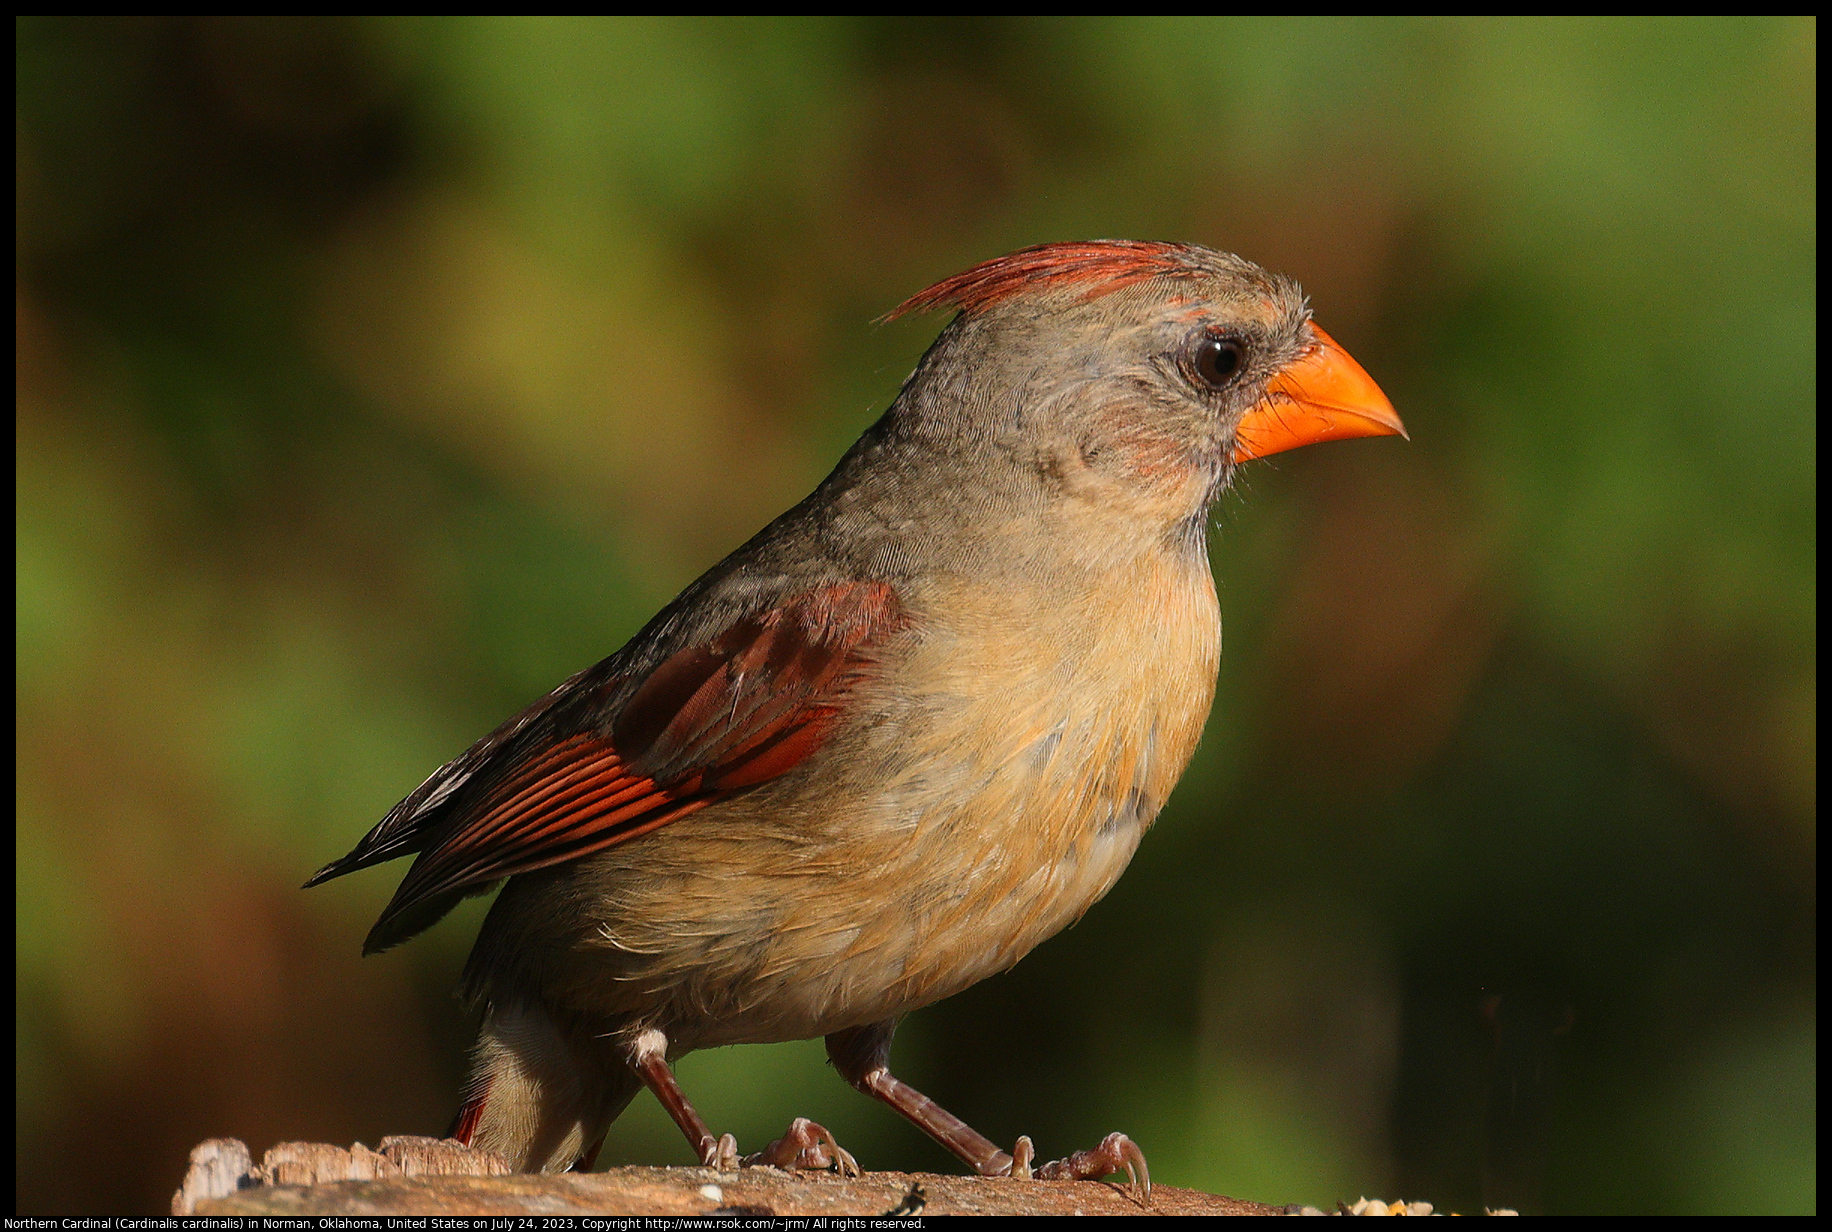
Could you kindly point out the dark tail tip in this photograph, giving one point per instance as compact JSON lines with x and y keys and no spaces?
{"x":406,"y":918}
{"x":333,"y":869}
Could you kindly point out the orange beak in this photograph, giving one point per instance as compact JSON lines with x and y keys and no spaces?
{"x":1325,"y":396}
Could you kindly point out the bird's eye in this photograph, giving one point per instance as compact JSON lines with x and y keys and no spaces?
{"x":1218,"y":359}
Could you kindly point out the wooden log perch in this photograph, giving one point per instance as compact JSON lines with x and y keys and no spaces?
{"x":430,"y":1176}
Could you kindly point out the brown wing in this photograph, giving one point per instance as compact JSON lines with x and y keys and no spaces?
{"x":560,"y":781}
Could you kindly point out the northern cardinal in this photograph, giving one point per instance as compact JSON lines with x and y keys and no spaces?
{"x":914,"y":727}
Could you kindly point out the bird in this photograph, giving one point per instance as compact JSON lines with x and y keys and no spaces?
{"x":913,"y":728}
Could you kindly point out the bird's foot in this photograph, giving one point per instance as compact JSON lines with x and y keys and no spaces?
{"x":720,"y":1153}
{"x":806,"y":1147}
{"x":1116,"y":1153}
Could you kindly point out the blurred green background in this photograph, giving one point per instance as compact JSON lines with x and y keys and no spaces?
{"x":375,"y":375}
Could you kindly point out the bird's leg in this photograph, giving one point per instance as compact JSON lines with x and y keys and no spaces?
{"x":806,"y":1145}
{"x":862,"y":1055}
{"x":649,"y":1057}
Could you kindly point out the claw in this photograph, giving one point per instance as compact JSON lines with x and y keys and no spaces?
{"x":722,"y":1155}
{"x":1115,"y":1153}
{"x":807,"y":1146}
{"x":1021,"y":1156}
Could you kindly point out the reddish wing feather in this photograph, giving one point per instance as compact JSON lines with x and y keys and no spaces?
{"x":707,"y":722}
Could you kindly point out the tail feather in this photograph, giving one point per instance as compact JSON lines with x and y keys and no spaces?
{"x":541,"y":1098}
{"x":464,"y":1125}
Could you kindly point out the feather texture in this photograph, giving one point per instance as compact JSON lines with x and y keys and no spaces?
{"x":576,"y":773}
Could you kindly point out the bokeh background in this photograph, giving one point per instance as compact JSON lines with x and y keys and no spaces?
{"x":375,"y":375}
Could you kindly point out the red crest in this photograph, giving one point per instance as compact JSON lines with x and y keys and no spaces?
{"x":1101,"y":266}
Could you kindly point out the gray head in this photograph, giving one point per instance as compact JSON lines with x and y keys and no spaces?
{"x":1133,"y":372}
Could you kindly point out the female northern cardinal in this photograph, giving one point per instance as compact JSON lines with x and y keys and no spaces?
{"x":914,"y":727}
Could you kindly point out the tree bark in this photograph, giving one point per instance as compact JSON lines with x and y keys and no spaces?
{"x":427,"y":1176}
